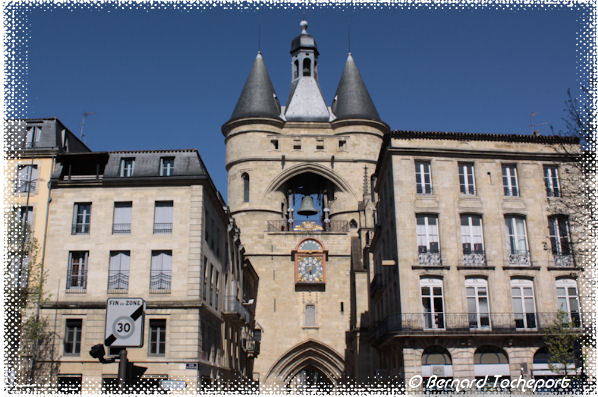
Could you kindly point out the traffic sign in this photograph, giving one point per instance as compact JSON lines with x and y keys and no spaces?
{"x":172,"y":384}
{"x":124,"y":322}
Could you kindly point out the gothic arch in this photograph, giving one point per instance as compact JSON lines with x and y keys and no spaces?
{"x":310,"y":353}
{"x":308,"y":167}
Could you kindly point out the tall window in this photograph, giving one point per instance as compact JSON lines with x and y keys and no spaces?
{"x":127,"y":167}
{"x":166,"y":166}
{"x":121,"y":222}
{"x":76,"y":277}
{"x":423,"y":177}
{"x":306,"y":67}
{"x":524,"y":306}
{"x":428,"y":246}
{"x":560,"y":241}
{"x":472,"y":239}
{"x":466,"y":178}
{"x":81,"y":218}
{"x":157,"y":336}
{"x":204,"y":279}
{"x":211,"y":284}
{"x":25,"y":214}
{"x":118,"y":273}
{"x":432,"y":302}
{"x":476,"y":290}
{"x":216,"y":289}
{"x":245,"y":178}
{"x":161,"y":271}
{"x":551,"y":180}
{"x":72,"y":337}
{"x":26,"y":178}
{"x":163,"y":217}
{"x":34,"y":132}
{"x":566,"y":292}
{"x":509,"y":180}
{"x":516,"y":233}
{"x":310,"y":315}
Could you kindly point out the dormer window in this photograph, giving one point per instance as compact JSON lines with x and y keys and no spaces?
{"x":127,"y":167}
{"x":166,"y":166}
{"x":306,"y":67}
{"x":33,"y":134}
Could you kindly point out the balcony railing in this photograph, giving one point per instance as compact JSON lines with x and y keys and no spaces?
{"x":162,"y":228}
{"x":160,"y":282}
{"x":429,"y":259}
{"x":281,"y":225}
{"x":518,"y":258}
{"x":118,"y":281}
{"x":80,"y":228}
{"x":121,"y":228}
{"x":563,"y":260}
{"x":408,"y":323}
{"x":24,"y":185}
{"x":232,"y":305}
{"x":475,"y":259}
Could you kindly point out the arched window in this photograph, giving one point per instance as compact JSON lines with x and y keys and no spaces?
{"x":245,"y":178}
{"x":306,"y":67}
{"x":491,"y":361}
{"x":296,"y":69}
{"x":436,"y":360}
{"x":353,"y":224}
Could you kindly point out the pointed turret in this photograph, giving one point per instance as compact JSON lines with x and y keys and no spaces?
{"x":352,"y":99}
{"x":258,"y":98}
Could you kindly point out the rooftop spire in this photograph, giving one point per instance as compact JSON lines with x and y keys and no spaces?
{"x":352,"y":99}
{"x":258,"y":98}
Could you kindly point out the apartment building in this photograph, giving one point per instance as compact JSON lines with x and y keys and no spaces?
{"x":473,"y":253}
{"x":151,"y":225}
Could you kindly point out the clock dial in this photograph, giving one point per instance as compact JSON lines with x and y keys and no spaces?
{"x":311,"y":270}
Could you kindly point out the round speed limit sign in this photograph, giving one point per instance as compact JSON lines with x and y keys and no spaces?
{"x":123,"y":327}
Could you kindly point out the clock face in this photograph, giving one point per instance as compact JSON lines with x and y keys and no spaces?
{"x":310,"y":270}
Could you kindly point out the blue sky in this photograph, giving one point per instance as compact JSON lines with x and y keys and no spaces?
{"x":161,"y":79}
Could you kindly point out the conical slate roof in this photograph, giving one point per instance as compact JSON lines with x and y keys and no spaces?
{"x":352,"y":99}
{"x":258,"y":98}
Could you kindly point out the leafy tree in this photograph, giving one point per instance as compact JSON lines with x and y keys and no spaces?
{"x":560,"y":340}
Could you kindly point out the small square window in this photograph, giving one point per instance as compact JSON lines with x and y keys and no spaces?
{"x":320,"y":144}
{"x":127,"y":167}
{"x":297,"y":144}
{"x":166,"y":166}
{"x":342,"y":145}
{"x":274,"y":143}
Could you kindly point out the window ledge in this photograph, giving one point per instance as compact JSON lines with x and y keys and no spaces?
{"x":564,"y":268}
{"x":117,"y":291}
{"x":476,"y":267}
{"x":420,"y":267}
{"x":521,"y":267}
{"x":310,"y":327}
{"x":160,"y":291}
{"x":75,"y":290}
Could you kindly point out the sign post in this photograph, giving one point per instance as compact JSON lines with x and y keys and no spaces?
{"x":125,"y":318}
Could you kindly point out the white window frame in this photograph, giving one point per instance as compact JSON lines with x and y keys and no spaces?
{"x":33,"y":134}
{"x":161,"y":265}
{"x":157,"y":337}
{"x":74,"y":336}
{"x":423,"y":177}
{"x":510,"y":180}
{"x":551,"y":180}
{"x":528,"y":319}
{"x":432,"y":319}
{"x":81,"y":218}
{"x":556,"y":236}
{"x":512,"y":235}
{"x":127,"y":167}
{"x":26,"y":178}
{"x":467,"y":179}
{"x":427,"y":233}
{"x":565,"y":299}
{"x":166,"y":166}
{"x":81,"y":273}
{"x":476,"y":290}
{"x":469,"y":235}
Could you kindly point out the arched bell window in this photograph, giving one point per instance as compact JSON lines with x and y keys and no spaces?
{"x":307,"y":67}
{"x":245,"y":178}
{"x":296,"y":69}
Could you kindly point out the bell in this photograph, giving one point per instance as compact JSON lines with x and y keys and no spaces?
{"x":307,"y":207}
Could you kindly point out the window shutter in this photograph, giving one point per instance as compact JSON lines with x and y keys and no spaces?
{"x":122,"y":212}
{"x":163,"y":212}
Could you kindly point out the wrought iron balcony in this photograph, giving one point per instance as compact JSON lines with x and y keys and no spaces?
{"x":118,"y":282}
{"x":519,"y":258}
{"x":563,"y":260}
{"x":477,"y":258}
{"x":80,"y":228}
{"x":121,"y":228}
{"x":281,"y":225}
{"x":162,"y":228}
{"x":232,"y":305}
{"x":430,"y":259}
{"x":160,"y":282}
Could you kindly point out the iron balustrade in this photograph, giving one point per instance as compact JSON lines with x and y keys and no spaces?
{"x":160,"y":281}
{"x":161,"y":228}
{"x":477,"y":258}
{"x":232,"y":305}
{"x":408,"y":323}
{"x":429,"y":259}
{"x":80,"y":228}
{"x":24,"y":185}
{"x":561,"y":260}
{"x":282,"y":225}
{"x":118,"y":228}
{"x":519,"y":258}
{"x":118,"y":281}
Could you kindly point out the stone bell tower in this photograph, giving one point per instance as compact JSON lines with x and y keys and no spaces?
{"x":296,"y":189}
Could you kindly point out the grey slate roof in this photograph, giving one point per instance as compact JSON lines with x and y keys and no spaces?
{"x":147,"y":163}
{"x":352,"y":99}
{"x":53,"y":136}
{"x":258,"y":98}
{"x":306,"y":102}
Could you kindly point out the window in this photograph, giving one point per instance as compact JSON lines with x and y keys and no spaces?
{"x":310,"y":315}
{"x":81,"y":218}
{"x":524,"y":307}
{"x":25,"y":214}
{"x":68,"y":384}
{"x":342,"y":145}
{"x":423,"y":178}
{"x":205,"y":279}
{"x":76,"y":277}
{"x":245,"y":178}
{"x":566,"y":292}
{"x":274,"y":143}
{"x":166,"y":166}
{"x":296,"y":144}
{"x":72,"y":337}
{"x":476,"y":290}
{"x":306,"y":67}
{"x":26,"y":178}
{"x":509,"y":180}
{"x":428,"y":246}
{"x":560,"y":241}
{"x":157,"y":337}
{"x":517,"y":246}
{"x":127,"y":167}
{"x":211,"y":284}
{"x":161,"y":271}
{"x":551,"y":180}
{"x":216,"y":289}
{"x":33,"y":134}
{"x":118,"y":273}
{"x":432,"y":303}
{"x":319,"y":144}
{"x":472,"y":240}
{"x":121,"y":221}
{"x":466,"y":178}
{"x":163,"y":217}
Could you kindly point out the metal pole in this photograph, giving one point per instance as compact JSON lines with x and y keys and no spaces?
{"x":122,"y":370}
